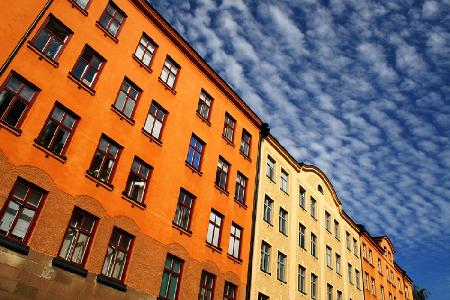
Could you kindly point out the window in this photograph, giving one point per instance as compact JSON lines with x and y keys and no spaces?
{"x":228,"y":128}
{"x":20,"y":211}
{"x":382,"y":292}
{"x":171,"y":278}
{"x":117,"y":255}
{"x":313,"y":208}
{"x":78,"y":237}
{"x":302,"y":197}
{"x":350,"y":273}
{"x":241,"y":184}
{"x":301,"y":279}
{"x":127,"y":98}
{"x":81,"y":3}
{"x":390,"y":296}
{"x":51,"y":38}
{"x":301,"y":235}
{"x":204,"y":105}
{"x":320,"y":189}
{"x":245,"y":143}
{"x":380,"y":268}
{"x":387,"y":274}
{"x":313,"y":286}
{"x":373,"y":286}
{"x":169,"y":72}
{"x":214,"y":229}
{"x":88,"y":66}
{"x":230,"y":291}
{"x":329,"y":292}
{"x":284,"y":181}
{"x":270,"y":171}
{"x":366,"y":281}
{"x":313,"y":245}
{"x":358,"y":279}
{"x":338,"y":264}
{"x":268,"y":208}
{"x":145,"y":50}
{"x":235,"y":240}
{"x":399,"y":284}
{"x":156,"y":118}
{"x":355,"y":247}
{"x":281,"y":267}
{"x":339,"y":295}
{"x":337,"y":234}
{"x":137,"y":182}
{"x":265,"y":257}
{"x":222,"y":173}
{"x":104,"y":160}
{"x":370,"y":257}
{"x":261,"y":296}
{"x":206,"y":290}
{"x":58,"y":130}
{"x":195,"y":152}
{"x":112,"y":19}
{"x":364,"y":251}
{"x":327,"y":221}
{"x":283,"y":221}
{"x":184,"y":209}
{"x":347,"y":240}
{"x":328,"y":253}
{"x":16,"y":97}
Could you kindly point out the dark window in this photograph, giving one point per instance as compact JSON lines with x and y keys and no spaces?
{"x":268,"y":209}
{"x":281,"y":267}
{"x":223,"y":167}
{"x":58,"y":130}
{"x":155,"y":120}
{"x":214,"y":229}
{"x":314,"y":286}
{"x":261,"y":296}
{"x":184,"y":209}
{"x":302,"y":197}
{"x":169,"y":72}
{"x":88,"y":66}
{"x":104,"y":160}
{"x":245,"y":143}
{"x":138,"y":178}
{"x":195,"y":152}
{"x":320,"y":189}
{"x":230,"y":291}
{"x":265,"y":256}
{"x":241,"y":185}
{"x":78,"y":237}
{"x":117,"y":255}
{"x":228,"y":127}
{"x":313,"y":245}
{"x":283,"y":221}
{"x":127,"y":98}
{"x":206,"y":291}
{"x":171,"y":278}
{"x":52,"y":37}
{"x":16,"y":96}
{"x":112,"y":18}
{"x":313,"y":208}
{"x":145,"y":50}
{"x":235,"y":240}
{"x":81,"y":3}
{"x":284,"y":181}
{"x":20,"y":211}
{"x":204,"y":105}
{"x":270,"y":170}
{"x":329,"y":292}
{"x":301,"y":235}
{"x":301,"y":279}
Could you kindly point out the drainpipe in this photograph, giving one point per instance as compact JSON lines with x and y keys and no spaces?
{"x":24,"y":38}
{"x":264,"y":131}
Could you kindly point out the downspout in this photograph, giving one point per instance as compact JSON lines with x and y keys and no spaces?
{"x":264,"y":131}
{"x":24,"y":38}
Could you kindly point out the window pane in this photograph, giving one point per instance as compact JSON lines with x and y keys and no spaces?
{"x":120,"y":101}
{"x":15,"y":113}
{"x":119,"y":265}
{"x":129,"y":108}
{"x":41,"y":40}
{"x":5,"y":100}
{"x":53,"y":48}
{"x":67,"y":242}
{"x":9,"y":216}
{"x":80,"y":248}
{"x":23,"y":222}
{"x":34,"y":198}
{"x":107,"y":265}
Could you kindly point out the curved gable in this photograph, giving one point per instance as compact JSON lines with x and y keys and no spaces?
{"x":324,"y":183}
{"x":385,"y":241}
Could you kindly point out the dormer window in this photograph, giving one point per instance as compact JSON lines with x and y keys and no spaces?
{"x":320,"y":189}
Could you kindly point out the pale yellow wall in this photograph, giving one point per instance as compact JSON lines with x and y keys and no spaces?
{"x":309,"y":179}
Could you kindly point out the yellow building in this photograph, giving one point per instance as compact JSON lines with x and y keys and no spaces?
{"x":305,"y":246}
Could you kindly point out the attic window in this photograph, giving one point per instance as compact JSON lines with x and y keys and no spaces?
{"x":320,"y":189}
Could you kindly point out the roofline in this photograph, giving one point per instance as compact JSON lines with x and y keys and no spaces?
{"x":403,"y":272}
{"x":157,"y":19}
{"x":363,"y":231}
{"x":376,"y":238}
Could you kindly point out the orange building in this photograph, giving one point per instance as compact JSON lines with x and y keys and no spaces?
{"x":127,"y":165}
{"x":383,"y":279}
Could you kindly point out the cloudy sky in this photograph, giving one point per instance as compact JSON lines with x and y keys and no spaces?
{"x":358,"y":88}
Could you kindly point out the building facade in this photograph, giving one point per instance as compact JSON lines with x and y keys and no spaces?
{"x":305,"y":246}
{"x":127,"y":164}
{"x":384,"y":279}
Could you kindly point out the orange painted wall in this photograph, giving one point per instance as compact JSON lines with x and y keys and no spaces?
{"x":97,"y":117}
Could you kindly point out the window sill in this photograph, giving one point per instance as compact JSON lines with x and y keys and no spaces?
{"x":81,"y":85}
{"x":194,"y":170}
{"x":246,"y":157}
{"x":141,"y":64}
{"x":234,"y":259}
{"x":98,"y":182}
{"x":68,"y":266}
{"x":14,"y":245}
{"x":111,"y":283}
{"x":266,"y":272}
{"x":282,"y":281}
{"x":284,"y":192}
{"x":285,"y":234}
{"x":240,"y":203}
{"x":106,"y":32}
{"x":330,"y":268}
{"x":13,"y":130}
{"x":58,"y":157}
{"x":304,"y":293}
{"x":228,"y":141}
{"x":181,"y":229}
{"x":270,"y":179}
{"x":302,"y":247}
{"x":203,"y":119}
{"x":214,"y":248}
{"x":121,"y":115}
{"x":166,"y":86}
{"x":222,"y":190}
{"x":152,"y":138}
{"x":74,"y":5}
{"x":133,"y":202}
{"x":268,"y":223}
{"x":42,"y":56}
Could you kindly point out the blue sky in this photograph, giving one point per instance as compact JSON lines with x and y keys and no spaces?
{"x":358,"y":88}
